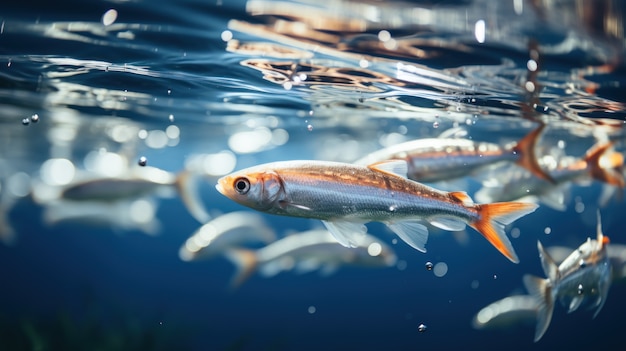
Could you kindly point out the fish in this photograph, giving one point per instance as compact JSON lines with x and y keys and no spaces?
{"x":307,"y":251}
{"x":436,"y":159}
{"x":345,"y":196}
{"x":584,"y":277}
{"x":134,"y":183}
{"x":230,"y":230}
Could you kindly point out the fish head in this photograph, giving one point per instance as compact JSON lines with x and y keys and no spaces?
{"x":256,"y":189}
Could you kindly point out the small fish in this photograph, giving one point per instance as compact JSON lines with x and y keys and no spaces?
{"x":583,"y":277}
{"x":437,"y":159}
{"x":308,"y":251}
{"x":346,"y":196}
{"x":231,"y":230}
{"x":136,"y":183}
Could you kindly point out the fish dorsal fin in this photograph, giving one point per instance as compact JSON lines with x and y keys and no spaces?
{"x":602,"y":240}
{"x":411,"y":232}
{"x":398,"y":168}
{"x":462,"y":197}
{"x":348,"y":234}
{"x":550,"y":268}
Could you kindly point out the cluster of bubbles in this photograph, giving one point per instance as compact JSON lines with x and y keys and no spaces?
{"x":27,"y":120}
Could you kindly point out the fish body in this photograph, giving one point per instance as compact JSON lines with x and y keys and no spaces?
{"x":307,"y":251}
{"x":583,"y":278}
{"x":436,"y":159}
{"x":134,"y":184}
{"x":345,"y":196}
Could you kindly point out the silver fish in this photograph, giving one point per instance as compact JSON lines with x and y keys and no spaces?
{"x":346,"y":196}
{"x":307,"y":251}
{"x":583,"y":277}
{"x":225,"y":232}
{"x":437,"y":159}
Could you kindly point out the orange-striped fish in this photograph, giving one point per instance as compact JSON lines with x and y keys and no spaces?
{"x":346,"y":196}
{"x":436,"y":159}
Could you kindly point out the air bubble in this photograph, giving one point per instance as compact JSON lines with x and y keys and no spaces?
{"x":309,"y":128}
{"x":429,"y":266}
{"x":26,"y":121}
{"x":34,"y":118}
{"x":109,"y":17}
{"x":422,"y":328}
{"x":435,"y":124}
{"x":142,"y":161}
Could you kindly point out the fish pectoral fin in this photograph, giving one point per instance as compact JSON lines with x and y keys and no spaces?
{"x":411,"y":232}
{"x":398,"y":168}
{"x":575,"y":303}
{"x":348,"y":234}
{"x":448,"y":223}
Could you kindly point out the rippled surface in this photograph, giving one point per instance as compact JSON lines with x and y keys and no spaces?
{"x":150,"y":90}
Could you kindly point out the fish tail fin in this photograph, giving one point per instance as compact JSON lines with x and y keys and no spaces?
{"x":525,"y":148}
{"x":245,"y":262}
{"x":541,"y":290}
{"x":605,"y":164}
{"x":187,"y":189}
{"x":494,"y":217}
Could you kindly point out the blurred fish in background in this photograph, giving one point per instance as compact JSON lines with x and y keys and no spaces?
{"x":582,"y":278}
{"x":309,"y":251}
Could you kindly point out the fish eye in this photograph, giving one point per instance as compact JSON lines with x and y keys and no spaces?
{"x":242,"y":185}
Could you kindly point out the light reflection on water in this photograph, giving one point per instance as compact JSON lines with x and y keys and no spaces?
{"x":211,"y":88}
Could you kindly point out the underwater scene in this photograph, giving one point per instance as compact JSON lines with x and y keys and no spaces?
{"x":312,"y":175}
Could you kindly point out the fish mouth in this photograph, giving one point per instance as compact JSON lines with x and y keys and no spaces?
{"x":219,"y":187}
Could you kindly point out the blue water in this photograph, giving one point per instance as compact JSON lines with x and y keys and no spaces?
{"x":174,"y":80}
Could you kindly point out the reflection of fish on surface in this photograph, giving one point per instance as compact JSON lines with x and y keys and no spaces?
{"x":584,"y":277}
{"x":346,"y":196}
{"x":231,"y":230}
{"x":437,"y":159}
{"x":600,"y":163}
{"x":308,"y":251}
{"x":136,"y":182}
